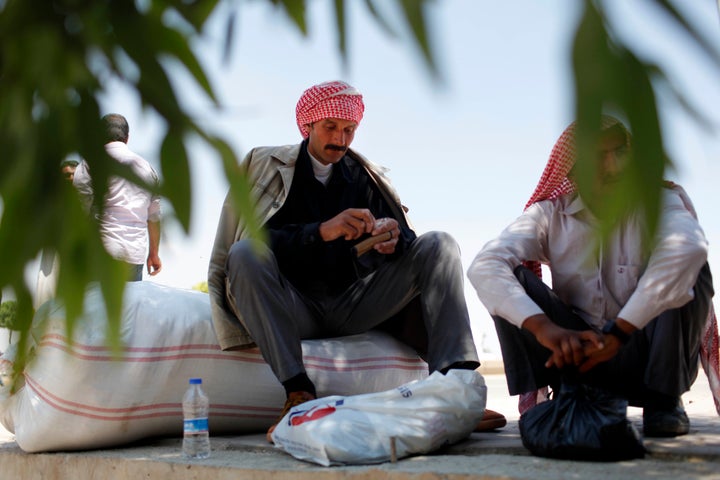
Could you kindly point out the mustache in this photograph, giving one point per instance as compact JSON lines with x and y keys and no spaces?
{"x":338,"y":148}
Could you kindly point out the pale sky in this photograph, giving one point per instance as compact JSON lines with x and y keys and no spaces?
{"x":464,"y":154}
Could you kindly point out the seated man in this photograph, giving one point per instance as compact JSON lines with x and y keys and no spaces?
{"x":629,"y":319}
{"x":317,"y":200}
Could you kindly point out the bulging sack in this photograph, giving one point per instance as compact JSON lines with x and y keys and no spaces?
{"x":581,"y":423}
{"x":420,"y":416}
{"x":74,"y":394}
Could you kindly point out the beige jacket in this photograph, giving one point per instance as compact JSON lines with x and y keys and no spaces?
{"x":269,"y":171}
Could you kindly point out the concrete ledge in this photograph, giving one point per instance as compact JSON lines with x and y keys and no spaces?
{"x":493,"y":455}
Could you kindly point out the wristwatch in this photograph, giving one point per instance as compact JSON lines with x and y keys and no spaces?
{"x":612,"y":328}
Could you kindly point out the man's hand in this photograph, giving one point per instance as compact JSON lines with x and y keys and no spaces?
{"x":154,"y":264}
{"x":611,"y":346}
{"x":568,"y":347}
{"x":383,"y":225}
{"x":349,"y":224}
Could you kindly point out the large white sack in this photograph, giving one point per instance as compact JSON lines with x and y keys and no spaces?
{"x":76,"y":395}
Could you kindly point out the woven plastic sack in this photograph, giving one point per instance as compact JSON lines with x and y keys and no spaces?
{"x":415,"y":418}
{"x":75,"y":394}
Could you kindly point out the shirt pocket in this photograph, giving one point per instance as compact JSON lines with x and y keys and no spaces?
{"x":625,"y":279}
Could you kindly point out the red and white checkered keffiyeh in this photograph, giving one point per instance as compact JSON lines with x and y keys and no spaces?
{"x":553,"y":183}
{"x":334,"y":99}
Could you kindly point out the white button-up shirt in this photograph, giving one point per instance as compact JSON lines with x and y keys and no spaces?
{"x":128,"y":208}
{"x":599,"y":281}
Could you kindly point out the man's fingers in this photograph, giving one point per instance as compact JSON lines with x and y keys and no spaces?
{"x":569,"y":346}
{"x":590,"y":348}
{"x":362,"y":219}
{"x":578,"y":351}
{"x":386,"y":224}
{"x":555,"y":360}
{"x":590,"y":338}
{"x":348,"y":233}
{"x":356,"y":227}
{"x":588,"y":364}
{"x":550,"y":362}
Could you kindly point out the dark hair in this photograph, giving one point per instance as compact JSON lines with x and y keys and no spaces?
{"x":116,"y":128}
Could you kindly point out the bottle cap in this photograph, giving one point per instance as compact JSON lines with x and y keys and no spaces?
{"x":195,"y":381}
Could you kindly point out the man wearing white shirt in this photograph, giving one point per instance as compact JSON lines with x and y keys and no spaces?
{"x":130,"y":221}
{"x":628,"y":318}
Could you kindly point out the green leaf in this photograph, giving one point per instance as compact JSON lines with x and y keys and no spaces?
{"x":229,"y":37}
{"x":341,"y":26}
{"x":590,"y":63}
{"x":609,"y":77}
{"x":240,"y":191}
{"x":380,"y":20}
{"x":663,"y":81}
{"x":176,"y":172}
{"x":295,"y":10}
{"x":710,"y":49}
{"x":414,"y":11}
{"x":196,"y":12}
{"x":174,"y":44}
{"x":112,"y":284}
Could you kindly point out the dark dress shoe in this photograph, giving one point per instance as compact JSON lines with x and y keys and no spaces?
{"x":665,"y":422}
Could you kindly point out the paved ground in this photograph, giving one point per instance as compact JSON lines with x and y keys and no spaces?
{"x":496,"y":455}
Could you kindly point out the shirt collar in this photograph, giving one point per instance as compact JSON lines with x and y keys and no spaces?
{"x":576,"y":205}
{"x":340,"y":169}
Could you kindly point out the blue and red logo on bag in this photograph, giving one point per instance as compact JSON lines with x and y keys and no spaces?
{"x":315,"y":413}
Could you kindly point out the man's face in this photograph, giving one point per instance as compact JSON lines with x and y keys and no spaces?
{"x":68,"y":172}
{"x":330,"y":138}
{"x":612,"y":157}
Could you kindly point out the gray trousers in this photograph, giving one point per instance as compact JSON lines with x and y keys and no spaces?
{"x":660,"y":358}
{"x":278,"y":316}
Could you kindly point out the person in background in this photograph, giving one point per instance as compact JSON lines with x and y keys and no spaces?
{"x":130,"y":221}
{"x":626,"y":318}
{"x":68,"y":166}
{"x":48,"y":268}
{"x":317,"y":200}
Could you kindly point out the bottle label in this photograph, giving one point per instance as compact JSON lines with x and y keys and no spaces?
{"x":195,"y":425}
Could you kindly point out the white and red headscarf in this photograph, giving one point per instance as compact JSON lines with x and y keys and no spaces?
{"x":554,"y":180}
{"x":553,"y":183}
{"x":334,"y":99}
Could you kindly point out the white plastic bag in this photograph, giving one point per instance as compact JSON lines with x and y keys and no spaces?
{"x":420,"y":416}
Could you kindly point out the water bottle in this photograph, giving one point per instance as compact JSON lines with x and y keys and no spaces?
{"x":196,"y":437}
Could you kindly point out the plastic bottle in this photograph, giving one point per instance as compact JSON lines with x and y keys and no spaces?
{"x":196,"y":406}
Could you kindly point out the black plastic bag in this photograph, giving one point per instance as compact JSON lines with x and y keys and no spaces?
{"x":581,"y":423}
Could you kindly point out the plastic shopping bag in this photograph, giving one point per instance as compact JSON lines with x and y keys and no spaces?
{"x":581,"y":423}
{"x":415,"y":418}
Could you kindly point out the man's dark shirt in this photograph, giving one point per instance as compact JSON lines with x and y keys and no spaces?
{"x":315,"y":267}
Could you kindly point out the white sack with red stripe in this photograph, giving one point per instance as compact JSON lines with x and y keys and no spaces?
{"x":76,"y":395}
{"x":415,"y":418}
